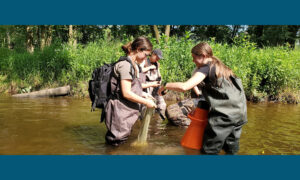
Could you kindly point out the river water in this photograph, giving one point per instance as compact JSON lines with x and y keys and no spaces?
{"x":66,"y":126}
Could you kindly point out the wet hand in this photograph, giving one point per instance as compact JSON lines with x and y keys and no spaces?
{"x":145,"y":95}
{"x":148,"y":96}
{"x":155,"y":83}
{"x":150,"y":104}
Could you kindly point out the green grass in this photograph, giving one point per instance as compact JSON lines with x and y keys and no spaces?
{"x":267,"y":72}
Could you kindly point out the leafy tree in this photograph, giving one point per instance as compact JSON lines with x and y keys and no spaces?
{"x":273,"y":35}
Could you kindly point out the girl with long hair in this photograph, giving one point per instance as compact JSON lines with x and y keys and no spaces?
{"x":225,"y":98}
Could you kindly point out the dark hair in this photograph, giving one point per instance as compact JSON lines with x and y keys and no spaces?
{"x":139,"y":44}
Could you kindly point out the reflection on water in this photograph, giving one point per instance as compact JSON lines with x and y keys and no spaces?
{"x":65,"y":125}
{"x":272,"y":129}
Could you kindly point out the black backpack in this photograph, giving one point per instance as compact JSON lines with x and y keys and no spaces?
{"x":99,"y":86}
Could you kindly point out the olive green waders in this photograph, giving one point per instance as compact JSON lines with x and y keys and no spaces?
{"x":227,"y":114}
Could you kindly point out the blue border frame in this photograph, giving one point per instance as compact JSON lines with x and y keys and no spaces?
{"x":149,"y":167}
{"x":136,"y":12}
{"x":189,"y":12}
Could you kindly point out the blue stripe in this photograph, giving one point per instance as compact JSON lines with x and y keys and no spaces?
{"x":149,"y":167}
{"x":188,"y":12}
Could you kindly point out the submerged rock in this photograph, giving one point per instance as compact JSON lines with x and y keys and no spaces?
{"x":177,"y":113}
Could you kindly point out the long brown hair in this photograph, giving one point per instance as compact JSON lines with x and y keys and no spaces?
{"x":203,"y":49}
{"x":139,"y":44}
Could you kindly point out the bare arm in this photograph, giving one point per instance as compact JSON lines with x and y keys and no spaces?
{"x":145,"y":69}
{"x":189,"y":84}
{"x":150,"y":84}
{"x":196,"y":90}
{"x":131,"y":96}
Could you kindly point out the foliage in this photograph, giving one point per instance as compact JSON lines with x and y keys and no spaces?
{"x":265,"y":71}
{"x":16,"y":36}
{"x":271,"y":35}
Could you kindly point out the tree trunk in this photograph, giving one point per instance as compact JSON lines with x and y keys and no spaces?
{"x":167,"y":33}
{"x":235,"y":30}
{"x":49,"y":35}
{"x":43,"y":37}
{"x":71,"y":34}
{"x":259,"y":34}
{"x":29,"y":39}
{"x":72,"y":39}
{"x":157,"y":37}
{"x":8,"y":40}
{"x":293,"y":30}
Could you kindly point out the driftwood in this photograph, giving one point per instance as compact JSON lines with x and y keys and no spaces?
{"x":60,"y":91}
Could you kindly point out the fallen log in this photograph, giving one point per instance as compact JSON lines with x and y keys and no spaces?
{"x":60,"y":91}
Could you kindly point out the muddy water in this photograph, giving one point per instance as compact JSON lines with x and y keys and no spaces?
{"x":65,"y":125}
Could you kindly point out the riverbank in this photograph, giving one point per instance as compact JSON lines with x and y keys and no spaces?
{"x":80,"y":90}
{"x":268,"y":74}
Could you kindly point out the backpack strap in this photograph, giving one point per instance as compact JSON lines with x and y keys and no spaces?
{"x":124,"y":58}
{"x":103,"y":114}
{"x":116,"y":94}
{"x":235,"y":82}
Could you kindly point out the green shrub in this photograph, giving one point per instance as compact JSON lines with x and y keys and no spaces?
{"x":267,"y":71}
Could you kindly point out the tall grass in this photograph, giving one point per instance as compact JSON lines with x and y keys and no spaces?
{"x":266,"y":72}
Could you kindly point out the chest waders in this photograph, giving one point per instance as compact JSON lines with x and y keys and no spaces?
{"x":154,"y":75}
{"x":227,"y":114}
{"x":121,"y":114}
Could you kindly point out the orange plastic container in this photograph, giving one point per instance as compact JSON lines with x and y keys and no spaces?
{"x":194,"y":134}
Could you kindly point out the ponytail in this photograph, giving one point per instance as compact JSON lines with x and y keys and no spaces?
{"x":127,"y":48}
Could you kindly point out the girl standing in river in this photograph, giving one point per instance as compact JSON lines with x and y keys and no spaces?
{"x":226,"y":100}
{"x":123,"y":109}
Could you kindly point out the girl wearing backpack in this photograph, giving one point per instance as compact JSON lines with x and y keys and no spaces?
{"x":123,"y":109}
{"x":227,"y":110}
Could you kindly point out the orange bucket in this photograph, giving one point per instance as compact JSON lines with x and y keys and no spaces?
{"x":194,"y":134}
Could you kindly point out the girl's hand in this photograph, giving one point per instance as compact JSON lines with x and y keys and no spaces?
{"x":147,"y":96}
{"x":155,"y":83}
{"x":150,"y":104}
{"x":144,"y":94}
